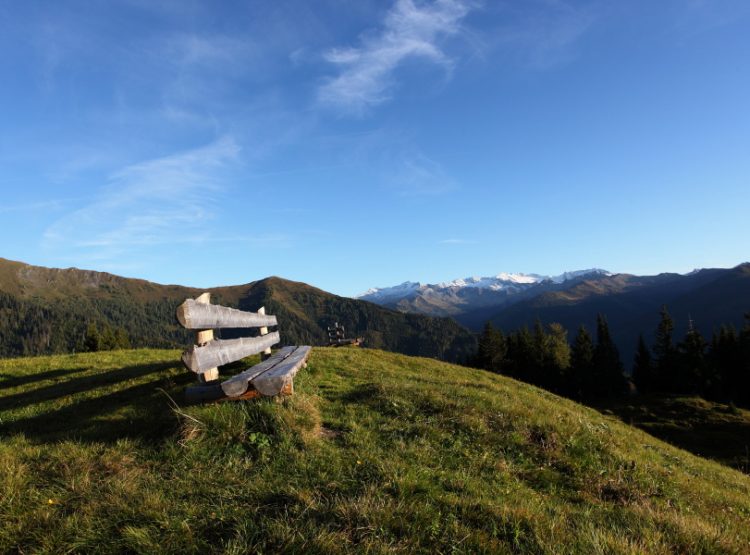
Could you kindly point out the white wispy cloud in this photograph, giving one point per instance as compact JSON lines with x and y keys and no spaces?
{"x":160,"y":201}
{"x":454,"y":241}
{"x":52,"y":204}
{"x":414,"y":174}
{"x":542,"y":34}
{"x":410,"y":30}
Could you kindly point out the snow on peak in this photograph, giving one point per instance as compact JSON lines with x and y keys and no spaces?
{"x":499,"y":282}
{"x":565,"y":276}
{"x":397,"y":290}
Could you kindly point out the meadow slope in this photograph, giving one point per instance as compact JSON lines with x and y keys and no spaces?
{"x":376,"y":452}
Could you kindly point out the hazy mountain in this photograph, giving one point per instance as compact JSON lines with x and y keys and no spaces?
{"x":709,"y":297}
{"x":467,"y":295}
{"x":46,"y":310}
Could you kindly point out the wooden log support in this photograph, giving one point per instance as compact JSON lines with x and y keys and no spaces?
{"x":280,"y":378}
{"x":199,"y":359}
{"x":199,"y":315}
{"x":273,"y":376}
{"x":263,"y":331}
{"x":203,"y":337}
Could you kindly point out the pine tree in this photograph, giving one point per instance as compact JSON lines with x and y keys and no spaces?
{"x":107,"y":341}
{"x":692,"y":370}
{"x":644,"y":372}
{"x":581,"y":363}
{"x":92,"y":342}
{"x":665,"y":352}
{"x":539,"y":354}
{"x":521,"y":355}
{"x":557,"y":357}
{"x":122,"y":341}
{"x":610,"y":377}
{"x":492,"y":349}
{"x":743,"y":374}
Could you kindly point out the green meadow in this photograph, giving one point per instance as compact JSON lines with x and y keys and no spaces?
{"x":375,"y":453}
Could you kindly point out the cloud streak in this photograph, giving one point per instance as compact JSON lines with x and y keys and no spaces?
{"x":410,"y":30}
{"x":456,"y":242}
{"x":159,"y":201}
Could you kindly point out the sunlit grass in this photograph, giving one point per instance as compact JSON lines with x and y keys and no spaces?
{"x":375,"y":452}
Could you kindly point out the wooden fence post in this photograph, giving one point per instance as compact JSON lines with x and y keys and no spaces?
{"x":264,"y":331}
{"x":201,"y":338}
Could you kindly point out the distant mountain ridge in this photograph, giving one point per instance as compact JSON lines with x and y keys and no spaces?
{"x":465,"y":295}
{"x":47,"y":310}
{"x":707,"y":297}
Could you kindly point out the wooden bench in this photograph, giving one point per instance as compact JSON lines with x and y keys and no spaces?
{"x":274,"y":375}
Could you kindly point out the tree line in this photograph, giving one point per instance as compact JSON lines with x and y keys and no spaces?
{"x":590,"y":367}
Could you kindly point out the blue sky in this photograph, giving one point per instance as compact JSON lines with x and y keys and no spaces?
{"x":359,"y":144}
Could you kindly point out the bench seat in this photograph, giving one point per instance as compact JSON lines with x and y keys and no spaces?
{"x":271,"y":377}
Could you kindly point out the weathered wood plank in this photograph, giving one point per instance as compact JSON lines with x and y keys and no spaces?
{"x":203,"y":337}
{"x":195,"y":315}
{"x":223,"y":351}
{"x":280,"y":376}
{"x":239,"y":384}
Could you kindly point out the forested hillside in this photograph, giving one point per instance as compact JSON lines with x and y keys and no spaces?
{"x":46,"y":311}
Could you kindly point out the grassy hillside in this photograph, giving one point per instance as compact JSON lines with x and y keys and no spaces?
{"x":47,"y":311}
{"x":376,"y":452}
{"x":706,"y":428}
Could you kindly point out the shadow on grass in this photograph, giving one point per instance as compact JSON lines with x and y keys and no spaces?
{"x":80,"y":385}
{"x":707,"y":430}
{"x":141,"y":412}
{"x":9,"y":381}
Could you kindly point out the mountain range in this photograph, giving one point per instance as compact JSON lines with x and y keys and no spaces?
{"x":47,"y":310}
{"x":464,"y":296}
{"x":707,"y":298}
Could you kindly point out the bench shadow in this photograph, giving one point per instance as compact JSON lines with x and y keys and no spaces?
{"x":9,"y":381}
{"x":80,"y":385}
{"x":141,"y":412}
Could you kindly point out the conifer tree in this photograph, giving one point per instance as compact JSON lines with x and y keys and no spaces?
{"x":664,"y":351}
{"x":521,"y":354}
{"x":122,"y":341}
{"x":92,"y":342}
{"x":557,"y":357}
{"x":107,"y":341}
{"x":581,"y":363}
{"x":644,"y":372}
{"x":692,"y":372}
{"x":608,"y":368}
{"x":492,"y":349}
{"x":743,"y":377}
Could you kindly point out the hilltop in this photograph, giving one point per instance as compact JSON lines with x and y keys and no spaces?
{"x":48,"y":311}
{"x":375,"y":452}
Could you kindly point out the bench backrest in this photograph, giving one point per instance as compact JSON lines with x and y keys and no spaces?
{"x":208,"y":354}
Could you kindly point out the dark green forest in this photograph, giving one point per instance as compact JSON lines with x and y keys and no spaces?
{"x":39,"y":325}
{"x":590,"y":367}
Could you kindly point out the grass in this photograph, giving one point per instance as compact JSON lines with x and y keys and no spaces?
{"x":375,"y":452}
{"x":714,"y":430}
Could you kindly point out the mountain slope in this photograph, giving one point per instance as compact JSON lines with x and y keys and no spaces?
{"x":461,"y":296}
{"x":46,"y":310}
{"x":631,"y":303}
{"x":376,"y":452}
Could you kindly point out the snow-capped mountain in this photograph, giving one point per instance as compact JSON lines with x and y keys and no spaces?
{"x":461,"y":295}
{"x":500,"y":282}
